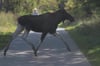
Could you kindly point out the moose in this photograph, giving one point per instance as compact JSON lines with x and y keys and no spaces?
{"x":44,"y":23}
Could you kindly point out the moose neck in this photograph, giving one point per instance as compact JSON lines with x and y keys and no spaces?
{"x":59,"y":17}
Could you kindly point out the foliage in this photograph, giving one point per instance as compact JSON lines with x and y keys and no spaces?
{"x":87,"y":35}
{"x":4,"y":39}
{"x":25,"y":6}
{"x":7,"y":26}
{"x":85,"y":31}
{"x":7,"y":19}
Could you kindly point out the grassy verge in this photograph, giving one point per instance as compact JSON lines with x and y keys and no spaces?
{"x":87,"y":35}
{"x":7,"y":26}
{"x":4,"y":39}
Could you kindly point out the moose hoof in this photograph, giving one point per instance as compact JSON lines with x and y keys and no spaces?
{"x":69,"y":50}
{"x":35,"y":53}
{"x":4,"y":53}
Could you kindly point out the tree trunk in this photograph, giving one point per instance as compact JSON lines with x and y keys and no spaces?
{"x":1,"y":3}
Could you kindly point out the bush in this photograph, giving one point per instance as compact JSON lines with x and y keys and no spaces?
{"x":89,"y":26}
{"x":7,"y":26}
{"x":7,"y":22}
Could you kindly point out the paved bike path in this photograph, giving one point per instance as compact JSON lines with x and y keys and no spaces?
{"x":52,"y":52}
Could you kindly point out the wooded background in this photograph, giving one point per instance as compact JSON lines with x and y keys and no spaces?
{"x":85,"y":30}
{"x":26,"y":6}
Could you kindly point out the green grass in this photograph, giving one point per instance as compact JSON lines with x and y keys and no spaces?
{"x":4,"y":39}
{"x":89,"y":45}
{"x":87,"y":35}
{"x":7,"y":26}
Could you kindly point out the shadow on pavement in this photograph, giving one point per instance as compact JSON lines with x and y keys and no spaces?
{"x":51,"y":53}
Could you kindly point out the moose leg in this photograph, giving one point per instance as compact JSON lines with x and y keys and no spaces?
{"x":15,"y":34}
{"x":42,"y":38}
{"x":24,"y":37}
{"x":17,"y":31}
{"x":7,"y":47}
{"x":25,"y":34}
{"x":60,"y":37}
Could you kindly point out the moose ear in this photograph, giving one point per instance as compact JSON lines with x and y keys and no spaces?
{"x":61,"y":5}
{"x":63,"y":21}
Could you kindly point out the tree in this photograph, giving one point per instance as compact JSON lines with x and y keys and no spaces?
{"x":1,"y":3}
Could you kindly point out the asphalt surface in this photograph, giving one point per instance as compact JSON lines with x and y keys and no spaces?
{"x":52,"y":52}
